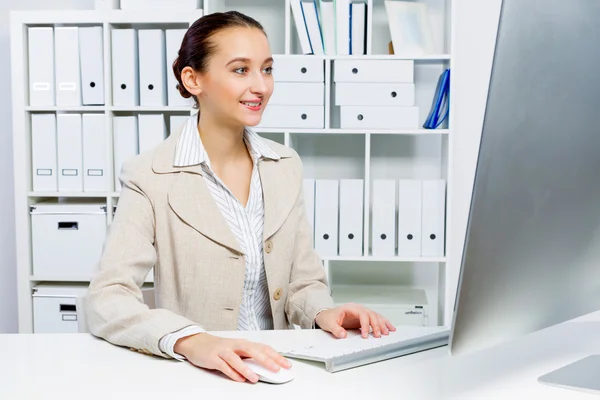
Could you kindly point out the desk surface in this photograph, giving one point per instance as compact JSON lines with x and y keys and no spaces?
{"x":79,"y":366}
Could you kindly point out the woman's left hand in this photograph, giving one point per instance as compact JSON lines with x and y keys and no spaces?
{"x":353,"y":316}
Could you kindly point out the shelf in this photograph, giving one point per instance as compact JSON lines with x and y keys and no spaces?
{"x":340,"y":131}
{"x":430,"y":57}
{"x":387,"y":259}
{"x":83,"y":17}
{"x":68,"y":194}
{"x":150,"y":109}
{"x":71,"y":279}
{"x":65,"y":108}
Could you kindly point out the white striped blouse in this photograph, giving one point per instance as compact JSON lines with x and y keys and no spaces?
{"x":246,"y":222}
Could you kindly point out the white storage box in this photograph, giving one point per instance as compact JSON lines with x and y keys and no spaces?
{"x":401,"y":305}
{"x":159,"y":4}
{"x":54,"y":309}
{"x":348,"y":70}
{"x":379,"y":117}
{"x":276,"y":116}
{"x":298,"y":68}
{"x":67,"y":239}
{"x":298,"y":93}
{"x":374,"y":94}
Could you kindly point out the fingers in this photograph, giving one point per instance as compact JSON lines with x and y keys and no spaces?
{"x":364,"y":323}
{"x":383,"y":324}
{"x":389,"y":325}
{"x":375,"y":324}
{"x":237,"y":365}
{"x":225,"y":368}
{"x":263,"y":355}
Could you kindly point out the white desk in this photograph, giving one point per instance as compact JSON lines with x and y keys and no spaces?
{"x":79,"y":366}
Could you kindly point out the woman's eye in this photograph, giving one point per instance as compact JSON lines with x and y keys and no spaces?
{"x":268,"y":70}
{"x":240,"y":70}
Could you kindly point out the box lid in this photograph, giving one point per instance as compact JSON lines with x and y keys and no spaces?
{"x":69,"y":207}
{"x":56,"y":290}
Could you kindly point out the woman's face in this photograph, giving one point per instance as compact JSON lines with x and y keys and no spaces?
{"x":238,"y":83}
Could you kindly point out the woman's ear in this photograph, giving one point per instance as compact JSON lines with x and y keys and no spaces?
{"x":191,"y":80}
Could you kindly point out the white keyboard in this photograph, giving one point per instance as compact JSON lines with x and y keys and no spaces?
{"x":354,"y":351}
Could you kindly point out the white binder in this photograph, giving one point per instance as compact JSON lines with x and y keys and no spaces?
{"x":125,"y":67}
{"x":174,"y":37}
{"x":309,"y":202}
{"x":409,"y":217}
{"x":152,"y":130}
{"x":94,"y":153}
{"x":384,"y":218}
{"x":125,"y":142}
{"x":91,"y":53}
{"x":351,"y":217}
{"x":326,"y":217}
{"x":43,"y":152}
{"x":68,"y":77}
{"x":342,"y":22}
{"x":176,"y":123}
{"x":153,"y":77}
{"x":433,"y":220}
{"x":41,"y":66}
{"x":70,"y":158}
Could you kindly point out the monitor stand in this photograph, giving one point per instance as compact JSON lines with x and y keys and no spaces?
{"x":582,"y":375}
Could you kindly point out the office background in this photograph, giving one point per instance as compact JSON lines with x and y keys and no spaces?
{"x":472,"y":54}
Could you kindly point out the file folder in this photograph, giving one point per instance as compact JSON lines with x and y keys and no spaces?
{"x":124,"y":50}
{"x":409,"y":217}
{"x":43,"y":152}
{"x":384,"y":218}
{"x":153,"y":77}
{"x":91,"y":54}
{"x":309,"y":201}
{"x":433,"y":219}
{"x":351,"y":217}
{"x":94,"y":153}
{"x":70,"y":158}
{"x":326,"y":217}
{"x":125,"y":143}
{"x":41,"y":66}
{"x":342,"y":26}
{"x":174,"y":37}
{"x":152,"y":130}
{"x":176,"y":123}
{"x":68,"y":77}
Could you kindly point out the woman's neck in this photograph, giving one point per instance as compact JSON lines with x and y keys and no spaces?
{"x":222,"y":143}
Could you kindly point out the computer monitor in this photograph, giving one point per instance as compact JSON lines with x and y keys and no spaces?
{"x":531,"y":257}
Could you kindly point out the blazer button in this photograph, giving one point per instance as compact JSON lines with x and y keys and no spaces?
{"x":277,"y":294}
{"x":268,"y":246}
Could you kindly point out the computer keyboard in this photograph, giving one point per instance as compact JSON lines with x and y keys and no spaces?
{"x":354,"y":351}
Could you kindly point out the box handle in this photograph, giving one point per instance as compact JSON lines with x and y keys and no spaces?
{"x":67,"y":308}
{"x":68,"y":226}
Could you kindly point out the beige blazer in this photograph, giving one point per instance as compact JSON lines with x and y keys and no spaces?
{"x":167,"y":219}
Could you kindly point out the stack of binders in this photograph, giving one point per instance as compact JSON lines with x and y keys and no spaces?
{"x":376,"y":94}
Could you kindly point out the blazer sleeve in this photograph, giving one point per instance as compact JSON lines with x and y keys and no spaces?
{"x":115,"y":310}
{"x":308,"y":290}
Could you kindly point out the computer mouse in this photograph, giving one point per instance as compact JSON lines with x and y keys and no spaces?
{"x":265,"y":375}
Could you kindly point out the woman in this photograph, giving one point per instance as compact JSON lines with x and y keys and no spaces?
{"x":219,"y":213}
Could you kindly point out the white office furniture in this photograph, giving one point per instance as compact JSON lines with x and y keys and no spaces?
{"x":328,"y":150}
{"x":99,"y":370}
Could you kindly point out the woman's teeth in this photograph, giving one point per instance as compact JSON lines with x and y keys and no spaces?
{"x":251,"y":104}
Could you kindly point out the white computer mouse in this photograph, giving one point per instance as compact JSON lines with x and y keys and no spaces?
{"x":265,"y":375}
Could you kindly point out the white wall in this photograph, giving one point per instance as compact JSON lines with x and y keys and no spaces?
{"x":8,"y":290}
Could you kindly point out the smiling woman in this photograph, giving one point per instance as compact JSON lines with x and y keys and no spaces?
{"x":215,"y":209}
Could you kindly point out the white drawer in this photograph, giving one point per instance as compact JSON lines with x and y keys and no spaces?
{"x":374,"y":94}
{"x":298,"y":93}
{"x":67,"y":239}
{"x":298,"y":68}
{"x":399,"y":71}
{"x":54,"y":308}
{"x":283,"y":117}
{"x":379,"y":117}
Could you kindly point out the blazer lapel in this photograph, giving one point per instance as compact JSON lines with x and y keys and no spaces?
{"x":279,"y":197}
{"x":189,"y":197}
{"x":191,"y":200}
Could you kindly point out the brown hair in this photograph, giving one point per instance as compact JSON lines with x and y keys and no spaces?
{"x":196,"y":47}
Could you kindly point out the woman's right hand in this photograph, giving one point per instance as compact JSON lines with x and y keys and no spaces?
{"x":225,"y":355}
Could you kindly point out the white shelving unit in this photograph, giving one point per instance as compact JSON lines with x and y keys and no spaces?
{"x":327,"y":153}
